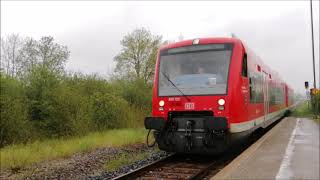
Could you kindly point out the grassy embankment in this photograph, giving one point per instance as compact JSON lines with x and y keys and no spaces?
{"x":304,"y":111}
{"x":19,"y":156}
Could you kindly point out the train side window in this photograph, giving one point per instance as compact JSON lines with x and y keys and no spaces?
{"x":250,"y":88}
{"x":256,"y":87}
{"x":244,"y":71}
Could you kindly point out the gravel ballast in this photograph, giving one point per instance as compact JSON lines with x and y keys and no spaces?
{"x":155,"y":156}
{"x":89,"y":165}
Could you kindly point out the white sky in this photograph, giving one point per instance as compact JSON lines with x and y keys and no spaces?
{"x":279,"y":31}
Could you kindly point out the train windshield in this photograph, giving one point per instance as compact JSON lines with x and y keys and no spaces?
{"x":194,"y":70}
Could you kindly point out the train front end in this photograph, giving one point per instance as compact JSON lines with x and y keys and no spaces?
{"x":190,"y":109}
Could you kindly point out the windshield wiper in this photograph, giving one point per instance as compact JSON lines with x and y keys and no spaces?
{"x":175,"y":86}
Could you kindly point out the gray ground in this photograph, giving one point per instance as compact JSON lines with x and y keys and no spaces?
{"x":263,"y":160}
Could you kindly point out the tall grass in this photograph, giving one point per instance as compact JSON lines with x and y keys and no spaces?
{"x":19,"y":156}
{"x":125,"y":158}
{"x":303,"y":110}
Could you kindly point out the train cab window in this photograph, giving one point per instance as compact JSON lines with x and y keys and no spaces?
{"x":194,"y":70}
{"x":244,"y":71}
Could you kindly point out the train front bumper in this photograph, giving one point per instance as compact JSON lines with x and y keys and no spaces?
{"x":201,"y":134}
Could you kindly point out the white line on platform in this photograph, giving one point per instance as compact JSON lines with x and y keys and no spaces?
{"x":285,"y":170}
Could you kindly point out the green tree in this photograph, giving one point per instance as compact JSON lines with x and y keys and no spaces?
{"x":44,"y":62}
{"x":29,"y":56}
{"x":20,"y":55}
{"x":138,"y":55}
{"x":52,"y":55}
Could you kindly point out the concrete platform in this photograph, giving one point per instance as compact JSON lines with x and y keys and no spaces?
{"x":288,"y":151}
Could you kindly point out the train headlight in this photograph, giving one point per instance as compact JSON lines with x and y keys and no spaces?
{"x":221,"y":102}
{"x":195,"y":41}
{"x":161,"y":103}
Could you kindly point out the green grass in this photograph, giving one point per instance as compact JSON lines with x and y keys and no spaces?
{"x":125,"y":159}
{"x":303,"y":110}
{"x":19,"y":156}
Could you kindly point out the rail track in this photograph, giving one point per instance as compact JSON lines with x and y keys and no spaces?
{"x":190,"y":167}
{"x":175,"y":167}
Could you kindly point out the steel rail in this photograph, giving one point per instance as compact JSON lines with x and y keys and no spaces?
{"x":172,"y":168}
{"x":138,"y":171}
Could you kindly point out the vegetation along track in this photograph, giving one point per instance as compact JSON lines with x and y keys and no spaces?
{"x":190,"y":166}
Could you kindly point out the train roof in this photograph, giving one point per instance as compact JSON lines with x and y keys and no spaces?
{"x":274,"y":74}
{"x":250,"y":53}
{"x":202,"y":40}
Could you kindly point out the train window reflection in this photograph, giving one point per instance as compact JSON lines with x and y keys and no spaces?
{"x":256,"y":87}
{"x":194,"y":73}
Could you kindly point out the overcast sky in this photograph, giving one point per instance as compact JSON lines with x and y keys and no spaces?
{"x":279,"y":32}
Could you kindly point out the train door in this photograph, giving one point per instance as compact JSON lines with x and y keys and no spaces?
{"x":265,"y":95}
{"x":245,"y":86}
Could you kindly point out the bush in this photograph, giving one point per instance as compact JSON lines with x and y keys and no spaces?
{"x":14,"y":125}
{"x":40,"y":90}
{"x":109,"y":111}
{"x":70,"y":114}
{"x":48,"y":104}
{"x":59,"y":105}
{"x":137,"y":93}
{"x":88,"y":84}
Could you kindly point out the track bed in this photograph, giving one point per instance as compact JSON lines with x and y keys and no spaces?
{"x":177,"y":166}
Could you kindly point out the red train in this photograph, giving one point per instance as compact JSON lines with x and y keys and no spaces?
{"x":210,"y":92}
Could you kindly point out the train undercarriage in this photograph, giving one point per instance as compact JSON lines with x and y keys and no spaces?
{"x":190,"y":132}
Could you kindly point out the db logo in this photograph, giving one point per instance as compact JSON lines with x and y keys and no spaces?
{"x":189,"y":105}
